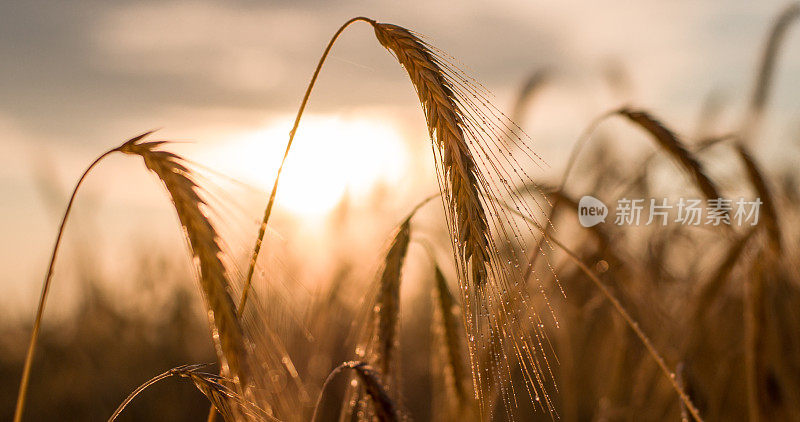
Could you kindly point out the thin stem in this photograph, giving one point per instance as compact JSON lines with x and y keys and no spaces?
{"x":623,"y":312}
{"x":178,"y":370}
{"x":26,"y":370}
{"x":270,"y":203}
{"x":635,"y":327}
{"x":138,"y":390}
{"x":573,"y":158}
{"x":328,"y":380}
{"x":268,"y":211}
{"x":581,"y":143}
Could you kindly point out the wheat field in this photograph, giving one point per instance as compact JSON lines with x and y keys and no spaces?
{"x":487,"y":300}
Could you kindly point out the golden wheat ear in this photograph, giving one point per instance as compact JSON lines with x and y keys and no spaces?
{"x":205,"y":248}
{"x":478,"y":161}
{"x":472,"y":144}
{"x":446,"y":128}
{"x":666,"y":139}
{"x":387,"y":308}
{"x":447,"y":330}
{"x":766,"y":70}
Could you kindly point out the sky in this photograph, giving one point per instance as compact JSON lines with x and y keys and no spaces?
{"x":80,"y":77}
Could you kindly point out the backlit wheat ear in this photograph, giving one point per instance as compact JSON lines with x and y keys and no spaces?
{"x":766,"y":69}
{"x":769,"y":215}
{"x":231,"y":405}
{"x":472,"y":145}
{"x":479,"y":154}
{"x":204,"y":246}
{"x":667,"y":140}
{"x":381,"y":343}
{"x":447,"y":313}
{"x":387,"y":308}
{"x":445,"y":126}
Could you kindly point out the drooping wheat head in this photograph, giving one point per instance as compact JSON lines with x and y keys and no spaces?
{"x":478,"y":162}
{"x":446,"y":129}
{"x":667,"y":140}
{"x":206,"y":251}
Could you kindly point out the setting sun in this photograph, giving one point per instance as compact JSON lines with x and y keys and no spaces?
{"x":330,"y":156}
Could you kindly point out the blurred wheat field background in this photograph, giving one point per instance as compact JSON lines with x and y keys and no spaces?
{"x":402,"y":257}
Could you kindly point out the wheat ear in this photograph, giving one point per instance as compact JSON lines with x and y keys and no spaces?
{"x":448,"y":320}
{"x":204,"y":245}
{"x":758,"y":100}
{"x":759,"y":182}
{"x":443,"y":116}
{"x":387,"y":309}
{"x":667,"y":140}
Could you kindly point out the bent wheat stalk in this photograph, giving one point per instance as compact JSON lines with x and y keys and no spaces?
{"x":268,"y":211}
{"x":759,"y":182}
{"x":229,"y":403}
{"x":37,"y":323}
{"x":651,"y":349}
{"x":147,"y":384}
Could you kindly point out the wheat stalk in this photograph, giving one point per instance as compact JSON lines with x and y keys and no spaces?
{"x":532,"y":86}
{"x":205,"y":248}
{"x":37,"y":323}
{"x":626,"y":316}
{"x":712,"y":288}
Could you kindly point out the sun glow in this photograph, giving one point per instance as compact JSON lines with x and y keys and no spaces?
{"x":330,"y":156}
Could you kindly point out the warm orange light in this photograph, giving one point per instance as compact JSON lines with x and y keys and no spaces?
{"x":330,"y":156}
